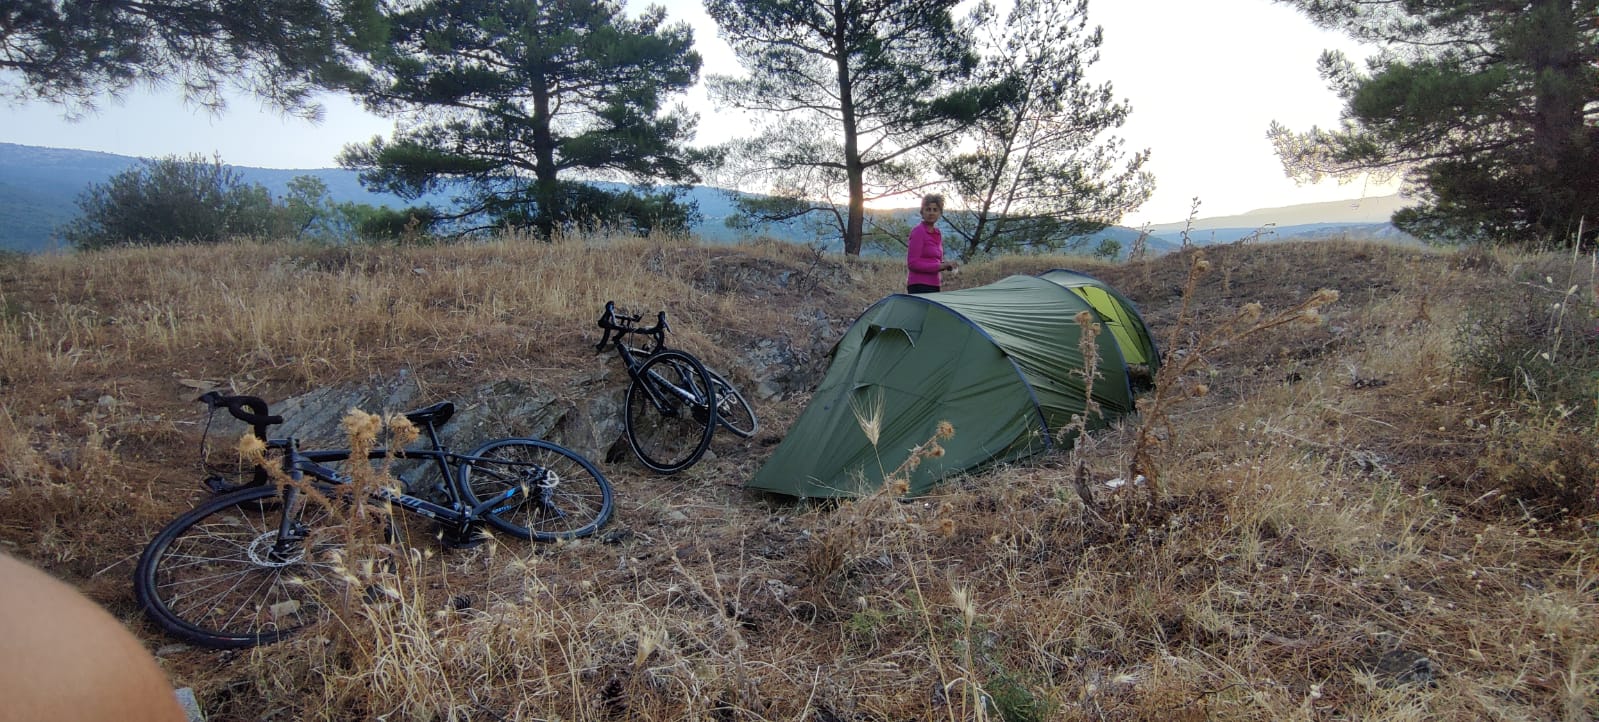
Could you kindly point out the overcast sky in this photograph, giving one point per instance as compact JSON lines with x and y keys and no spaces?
{"x":1205,"y":80}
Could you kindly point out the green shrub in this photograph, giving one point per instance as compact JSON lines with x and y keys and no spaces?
{"x":1538,"y":345}
{"x":172,"y":200}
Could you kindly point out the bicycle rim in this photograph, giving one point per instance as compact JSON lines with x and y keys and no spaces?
{"x":668,"y":432}
{"x":565,"y":496}
{"x":733,"y":411}
{"x":216,"y":576}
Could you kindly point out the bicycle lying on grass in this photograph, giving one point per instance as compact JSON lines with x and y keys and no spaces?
{"x":674,"y":403}
{"x":261,"y":561}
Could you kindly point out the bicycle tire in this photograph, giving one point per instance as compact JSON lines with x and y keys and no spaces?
{"x":573,"y":498}
{"x":248,"y":597}
{"x":671,"y":437}
{"x":733,"y":411}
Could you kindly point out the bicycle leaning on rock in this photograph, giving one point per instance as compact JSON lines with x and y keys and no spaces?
{"x":674,"y":404}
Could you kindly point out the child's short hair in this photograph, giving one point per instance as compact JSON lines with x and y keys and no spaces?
{"x":934,"y":198}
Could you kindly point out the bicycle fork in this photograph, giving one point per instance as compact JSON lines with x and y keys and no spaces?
{"x":290,"y":532}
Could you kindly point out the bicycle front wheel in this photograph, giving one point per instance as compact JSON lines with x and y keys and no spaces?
{"x":223,"y":576}
{"x":733,"y":411}
{"x":670,"y":413}
{"x":563,"y":496}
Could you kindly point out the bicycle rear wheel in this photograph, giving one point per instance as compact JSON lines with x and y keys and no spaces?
{"x":670,"y":417}
{"x":733,"y":411}
{"x":218,"y":576}
{"x":566,"y":496}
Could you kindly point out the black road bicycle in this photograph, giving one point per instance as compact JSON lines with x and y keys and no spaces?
{"x":264,"y":559}
{"x":674,"y":403}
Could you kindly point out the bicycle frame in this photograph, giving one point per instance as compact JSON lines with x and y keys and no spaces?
{"x":299,"y":464}
{"x":630,"y":358}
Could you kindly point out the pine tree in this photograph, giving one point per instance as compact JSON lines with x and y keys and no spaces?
{"x":1489,"y":109}
{"x":70,"y":51}
{"x":520,"y":104}
{"x":849,"y":91}
{"x":1041,"y":171}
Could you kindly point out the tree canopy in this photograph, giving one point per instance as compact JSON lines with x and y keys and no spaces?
{"x":1041,"y":170}
{"x":851,"y":90}
{"x":69,"y":51}
{"x":1489,"y":109}
{"x":516,"y":105}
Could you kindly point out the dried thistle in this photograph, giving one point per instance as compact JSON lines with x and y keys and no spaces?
{"x":361,"y":427}
{"x":252,"y":448}
{"x":401,"y":431}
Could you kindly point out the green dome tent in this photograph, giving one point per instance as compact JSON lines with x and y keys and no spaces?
{"x":999,"y":362}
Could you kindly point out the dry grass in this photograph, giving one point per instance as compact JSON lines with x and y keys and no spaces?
{"x":1344,"y":529}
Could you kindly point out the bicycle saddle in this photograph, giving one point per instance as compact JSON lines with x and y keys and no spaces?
{"x":434,"y":415}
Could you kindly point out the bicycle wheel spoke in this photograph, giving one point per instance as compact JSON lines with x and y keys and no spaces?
{"x":733,"y":411}
{"x":548,"y":478}
{"x":221,"y":576}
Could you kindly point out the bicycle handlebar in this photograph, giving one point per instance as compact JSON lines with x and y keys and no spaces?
{"x":622,"y":324}
{"x":251,"y":410}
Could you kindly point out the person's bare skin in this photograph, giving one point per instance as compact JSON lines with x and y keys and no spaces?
{"x":64,"y":659}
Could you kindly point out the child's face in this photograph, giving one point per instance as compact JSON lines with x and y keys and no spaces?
{"x":931,"y":212}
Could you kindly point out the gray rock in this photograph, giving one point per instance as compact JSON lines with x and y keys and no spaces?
{"x":190,"y":705}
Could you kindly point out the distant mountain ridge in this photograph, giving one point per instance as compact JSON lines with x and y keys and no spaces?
{"x":39,"y":188}
{"x":1374,"y":209}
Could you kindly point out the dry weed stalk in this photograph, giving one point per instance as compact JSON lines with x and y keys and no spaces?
{"x":880,"y":524}
{"x":1174,"y":383}
{"x":368,"y":532}
{"x":1076,"y":432}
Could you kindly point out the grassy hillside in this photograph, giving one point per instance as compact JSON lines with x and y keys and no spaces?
{"x":1377,"y":507}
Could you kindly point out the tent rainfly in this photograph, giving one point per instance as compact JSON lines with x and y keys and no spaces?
{"x":1001,"y":363}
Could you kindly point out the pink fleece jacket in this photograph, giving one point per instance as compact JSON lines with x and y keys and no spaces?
{"x":924,"y":255}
